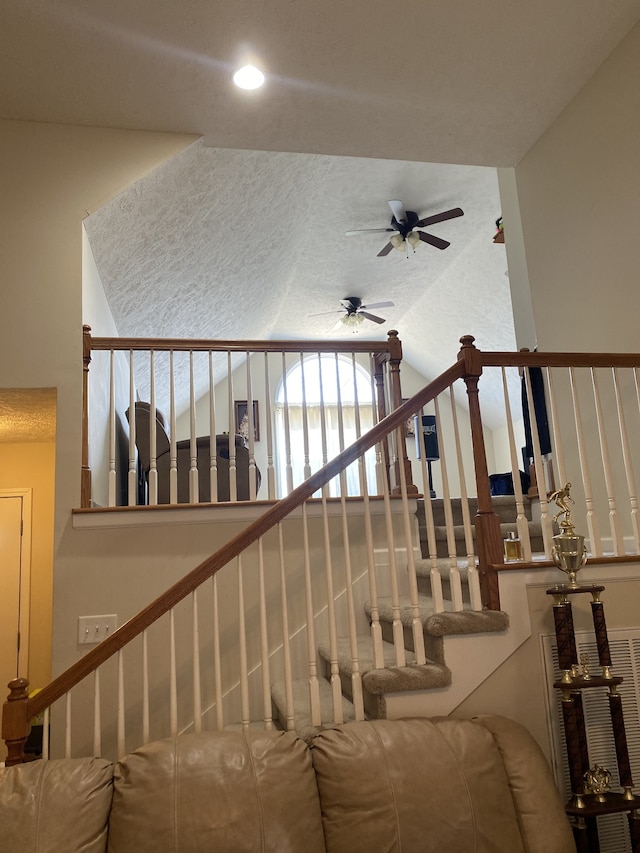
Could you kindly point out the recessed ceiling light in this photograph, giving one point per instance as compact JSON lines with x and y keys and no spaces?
{"x":248,"y":77}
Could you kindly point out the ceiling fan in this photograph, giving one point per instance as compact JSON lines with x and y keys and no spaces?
{"x":354,"y":312}
{"x":404,"y":223}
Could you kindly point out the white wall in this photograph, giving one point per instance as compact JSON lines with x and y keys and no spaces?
{"x":578,"y":195}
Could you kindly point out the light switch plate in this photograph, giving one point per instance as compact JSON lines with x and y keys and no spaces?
{"x":94,"y":629}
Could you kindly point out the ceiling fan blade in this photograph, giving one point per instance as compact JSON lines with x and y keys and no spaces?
{"x":368,"y":231}
{"x":433,"y":241}
{"x":324,"y":313}
{"x":397,"y":208}
{"x":371,"y":317}
{"x":379,"y":305}
{"x":440,"y":217}
{"x":385,"y":251}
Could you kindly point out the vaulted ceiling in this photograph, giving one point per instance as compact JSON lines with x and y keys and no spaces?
{"x":242,"y":234}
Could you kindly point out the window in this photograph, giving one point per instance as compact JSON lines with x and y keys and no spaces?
{"x":326,"y":401}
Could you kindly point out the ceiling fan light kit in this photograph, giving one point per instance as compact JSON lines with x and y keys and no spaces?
{"x":356,"y":312}
{"x":406,"y":223}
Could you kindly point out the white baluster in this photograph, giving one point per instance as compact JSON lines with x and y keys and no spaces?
{"x":558,"y":448}
{"x":380,"y":471}
{"x":152,"y":482}
{"x":409,"y":521}
{"x":264,"y":643}
{"x":592,"y":520}
{"x":112,"y":431}
{"x":194,"y":495}
{"x":132,"y":479}
{"x":271,"y":471}
{"x":323,"y":424}
{"x":67,"y":726}
{"x":541,"y":479}
{"x":305,"y":421}
{"x":173,"y":689}
{"x":454,"y":571}
{"x":356,"y":678}
{"x":435,"y":576}
{"x":614,"y":518}
{"x":286,"y":646}
{"x":628,"y":462}
{"x":473,"y":581}
{"x":312,"y":650}
{"x":374,"y":612}
{"x":233,"y":474}
{"x":242,"y":646}
{"x":213,"y":444}
{"x":197,"y":693}
{"x":398,"y":631}
{"x":522,"y":522}
{"x":145,"y":688}
{"x":334,"y":668}
{"x":97,"y":729}
{"x":287,"y":428}
{"x":216,"y":658}
{"x":343,"y":473}
{"x":173,"y":451}
{"x":251,"y":433}
{"x":121,"y":706}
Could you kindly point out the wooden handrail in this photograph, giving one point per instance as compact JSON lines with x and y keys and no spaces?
{"x":275,"y":514}
{"x":202,"y":345}
{"x":525,"y":358}
{"x":469,"y":366}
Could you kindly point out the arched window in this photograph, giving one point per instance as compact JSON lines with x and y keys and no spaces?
{"x":326,"y":401}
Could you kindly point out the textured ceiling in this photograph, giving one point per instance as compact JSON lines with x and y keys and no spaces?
{"x":235,"y":244}
{"x":235,"y":238}
{"x":27,"y":415}
{"x":457,"y":82}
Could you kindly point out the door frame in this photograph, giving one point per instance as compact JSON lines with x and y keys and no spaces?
{"x":24,"y":607}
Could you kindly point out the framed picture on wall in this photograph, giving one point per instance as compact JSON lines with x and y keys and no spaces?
{"x":242,"y":420}
{"x":409,"y":424}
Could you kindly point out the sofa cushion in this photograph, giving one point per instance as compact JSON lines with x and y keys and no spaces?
{"x":539,"y":808}
{"x":62,"y":805}
{"x":423,"y":786}
{"x":227,"y":792}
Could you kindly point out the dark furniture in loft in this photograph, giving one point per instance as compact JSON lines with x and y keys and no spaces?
{"x":183,"y":453}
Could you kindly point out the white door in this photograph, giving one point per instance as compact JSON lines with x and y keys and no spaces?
{"x":15,"y":533}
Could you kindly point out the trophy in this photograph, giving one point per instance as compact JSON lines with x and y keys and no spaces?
{"x":569,"y":552}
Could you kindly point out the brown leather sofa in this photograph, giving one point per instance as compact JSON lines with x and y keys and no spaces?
{"x":416,"y":786}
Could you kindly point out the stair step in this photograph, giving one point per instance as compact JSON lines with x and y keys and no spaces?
{"x":391,"y":679}
{"x":302,"y":713}
{"x":437,"y":625}
{"x":504,"y":507}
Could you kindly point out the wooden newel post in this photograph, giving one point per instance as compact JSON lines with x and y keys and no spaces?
{"x":85,"y":478}
{"x":395,"y":357}
{"x":487,"y":523}
{"x":15,"y":720}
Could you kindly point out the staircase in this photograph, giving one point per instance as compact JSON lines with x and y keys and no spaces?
{"x":378,"y":683}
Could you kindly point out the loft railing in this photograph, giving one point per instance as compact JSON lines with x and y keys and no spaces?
{"x":191,"y":421}
{"x":300,"y":572}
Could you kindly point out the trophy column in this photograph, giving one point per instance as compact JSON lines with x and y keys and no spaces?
{"x":591,"y":794}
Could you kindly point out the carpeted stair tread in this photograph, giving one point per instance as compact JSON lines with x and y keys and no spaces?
{"x":442,"y":624}
{"x":424,"y":566}
{"x":392,"y":678}
{"x":301,"y":707}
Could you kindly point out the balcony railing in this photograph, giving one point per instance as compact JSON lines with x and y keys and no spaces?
{"x":230,"y":420}
{"x":344,"y":575}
